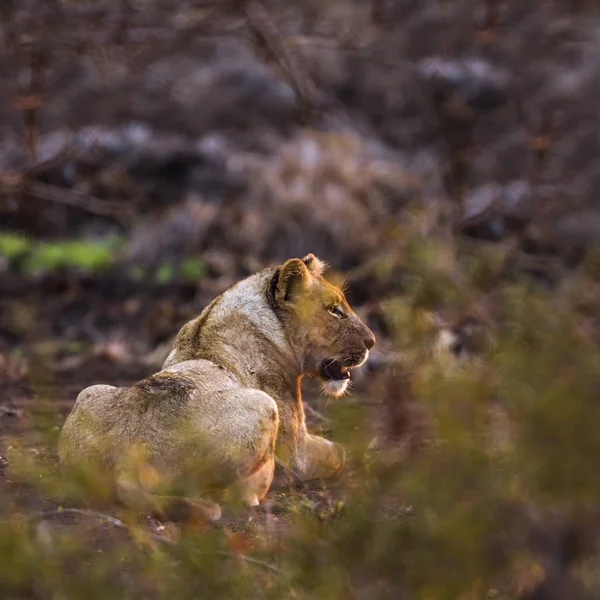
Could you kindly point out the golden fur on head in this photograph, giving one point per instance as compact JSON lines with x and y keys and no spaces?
{"x":315,"y":265}
{"x":228,"y":394}
{"x":321,"y":324}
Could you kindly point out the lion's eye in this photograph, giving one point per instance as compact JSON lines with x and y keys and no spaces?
{"x":336,"y":311}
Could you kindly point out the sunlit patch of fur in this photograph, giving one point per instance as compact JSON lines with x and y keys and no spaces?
{"x":334,"y":387}
{"x":345,"y":283}
{"x":339,"y":280}
{"x":315,"y":265}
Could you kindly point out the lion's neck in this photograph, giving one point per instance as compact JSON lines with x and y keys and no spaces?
{"x":241,"y":332}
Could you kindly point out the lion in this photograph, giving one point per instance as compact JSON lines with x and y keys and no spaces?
{"x":227,"y":401}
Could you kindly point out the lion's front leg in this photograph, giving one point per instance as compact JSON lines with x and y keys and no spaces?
{"x":302,"y":455}
{"x":320,"y":458}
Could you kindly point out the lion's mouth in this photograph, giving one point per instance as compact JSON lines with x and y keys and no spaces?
{"x":333,"y":370}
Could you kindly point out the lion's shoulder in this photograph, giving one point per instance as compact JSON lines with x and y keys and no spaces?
{"x":242,"y":306}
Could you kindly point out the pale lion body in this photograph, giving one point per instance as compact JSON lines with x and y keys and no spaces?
{"x":227,"y":399}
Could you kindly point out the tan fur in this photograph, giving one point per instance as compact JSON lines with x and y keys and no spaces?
{"x":227,"y":399}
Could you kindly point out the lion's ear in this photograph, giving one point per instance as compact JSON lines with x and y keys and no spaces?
{"x":315,"y":265}
{"x":293,"y":278}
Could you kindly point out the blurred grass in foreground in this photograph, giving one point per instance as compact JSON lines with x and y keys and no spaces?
{"x":510,"y":458}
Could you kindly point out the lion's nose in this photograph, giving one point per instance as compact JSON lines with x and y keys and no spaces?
{"x":369,"y":341}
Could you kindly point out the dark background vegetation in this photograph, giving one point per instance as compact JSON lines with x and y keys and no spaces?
{"x":445,"y":153}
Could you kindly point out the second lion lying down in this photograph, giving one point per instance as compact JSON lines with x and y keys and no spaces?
{"x":227,"y":399}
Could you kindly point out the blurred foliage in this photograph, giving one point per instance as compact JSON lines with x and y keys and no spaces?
{"x":511,"y":444}
{"x":32,"y":257}
{"x":89,"y":256}
{"x":192,"y":268}
{"x":13,"y":245}
{"x":35,"y":257}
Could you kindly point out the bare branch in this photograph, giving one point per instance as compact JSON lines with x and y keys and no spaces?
{"x":77,"y":511}
{"x":75,"y":198}
{"x":271,"y":46}
{"x":118,"y":523}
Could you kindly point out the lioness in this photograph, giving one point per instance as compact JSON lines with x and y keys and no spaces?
{"x":227,"y":399}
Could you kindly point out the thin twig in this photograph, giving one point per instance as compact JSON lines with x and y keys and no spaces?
{"x":248,"y":559}
{"x":78,"y":511}
{"x":96,"y":515}
{"x":118,"y":523}
{"x":10,"y":412}
{"x":272,"y":47}
{"x":86,"y":202}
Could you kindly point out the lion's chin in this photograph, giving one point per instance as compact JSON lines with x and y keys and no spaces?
{"x":334,"y":387}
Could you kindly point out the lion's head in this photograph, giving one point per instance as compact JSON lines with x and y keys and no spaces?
{"x":329,"y":337}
